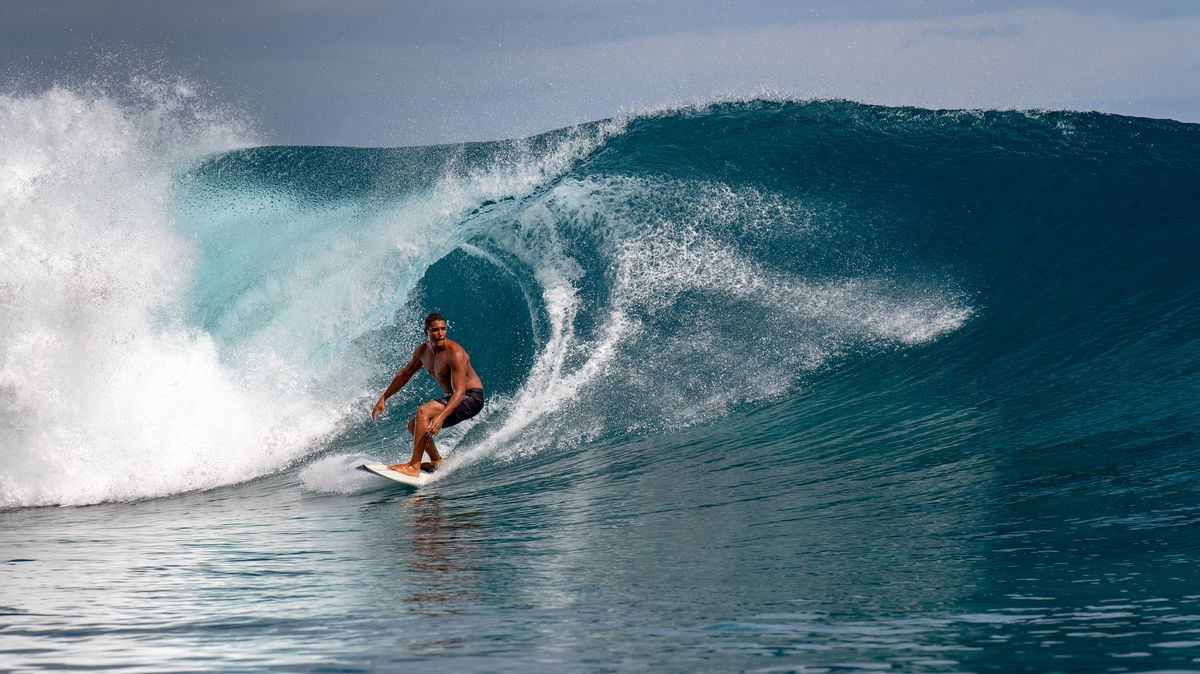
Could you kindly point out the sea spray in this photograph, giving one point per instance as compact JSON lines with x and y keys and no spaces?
{"x":105,"y":392}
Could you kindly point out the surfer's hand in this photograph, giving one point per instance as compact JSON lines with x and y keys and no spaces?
{"x":435,"y":425}
{"x":380,"y":407}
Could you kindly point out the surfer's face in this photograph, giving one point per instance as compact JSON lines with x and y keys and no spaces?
{"x":436,"y":332}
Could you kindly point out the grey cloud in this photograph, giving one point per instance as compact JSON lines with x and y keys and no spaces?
{"x":390,"y":73}
{"x":1005,"y":31}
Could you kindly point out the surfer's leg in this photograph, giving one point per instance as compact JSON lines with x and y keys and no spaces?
{"x":416,"y":428}
{"x":422,"y":442}
{"x":435,"y":459}
{"x":419,"y":426}
{"x":430,"y":449}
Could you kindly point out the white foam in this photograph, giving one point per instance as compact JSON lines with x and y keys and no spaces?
{"x":104,"y":393}
{"x":338,"y":474}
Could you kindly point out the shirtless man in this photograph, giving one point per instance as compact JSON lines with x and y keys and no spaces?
{"x":451,"y":368}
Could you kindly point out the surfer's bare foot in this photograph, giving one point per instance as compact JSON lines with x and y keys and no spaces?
{"x":430,"y":466}
{"x":409,"y":470}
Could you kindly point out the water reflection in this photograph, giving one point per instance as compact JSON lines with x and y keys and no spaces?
{"x":445,"y":547}
{"x":434,"y":551}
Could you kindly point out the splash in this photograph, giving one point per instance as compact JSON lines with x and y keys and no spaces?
{"x":105,"y":393}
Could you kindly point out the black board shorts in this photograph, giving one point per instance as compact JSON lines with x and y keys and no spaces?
{"x":471,"y":403}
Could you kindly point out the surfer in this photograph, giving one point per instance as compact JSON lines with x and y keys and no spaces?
{"x":450,"y":366}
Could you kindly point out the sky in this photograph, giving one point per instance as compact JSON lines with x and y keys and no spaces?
{"x":399,"y":72}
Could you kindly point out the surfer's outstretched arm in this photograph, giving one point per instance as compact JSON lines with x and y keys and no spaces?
{"x":398,"y":382}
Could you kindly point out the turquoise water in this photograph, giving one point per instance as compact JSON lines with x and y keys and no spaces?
{"x":773,"y":386}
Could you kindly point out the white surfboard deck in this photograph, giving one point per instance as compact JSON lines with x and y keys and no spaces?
{"x":382,"y":471}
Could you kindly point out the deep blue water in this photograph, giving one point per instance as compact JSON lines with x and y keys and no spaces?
{"x":773,"y":386}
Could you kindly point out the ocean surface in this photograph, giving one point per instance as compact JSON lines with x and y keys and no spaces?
{"x":773,"y":386}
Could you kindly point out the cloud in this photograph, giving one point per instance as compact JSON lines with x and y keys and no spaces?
{"x":384,"y":73}
{"x":1009,"y":31}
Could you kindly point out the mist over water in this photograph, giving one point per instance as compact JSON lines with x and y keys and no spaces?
{"x":771,"y":384}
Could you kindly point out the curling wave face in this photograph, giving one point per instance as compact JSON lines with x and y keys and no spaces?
{"x":187,"y":315}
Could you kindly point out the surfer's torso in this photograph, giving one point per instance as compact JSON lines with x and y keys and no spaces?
{"x":436,"y":361}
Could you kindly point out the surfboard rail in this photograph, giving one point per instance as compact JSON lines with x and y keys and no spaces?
{"x":383,"y":471}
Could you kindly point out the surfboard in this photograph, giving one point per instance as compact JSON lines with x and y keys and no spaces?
{"x":382,"y":471}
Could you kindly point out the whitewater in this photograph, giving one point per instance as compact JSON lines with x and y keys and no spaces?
{"x":773,"y":385}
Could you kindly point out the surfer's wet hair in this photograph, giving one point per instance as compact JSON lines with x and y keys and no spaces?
{"x":435,"y":316}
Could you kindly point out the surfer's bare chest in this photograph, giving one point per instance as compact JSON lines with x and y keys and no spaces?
{"x":437,"y":365}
